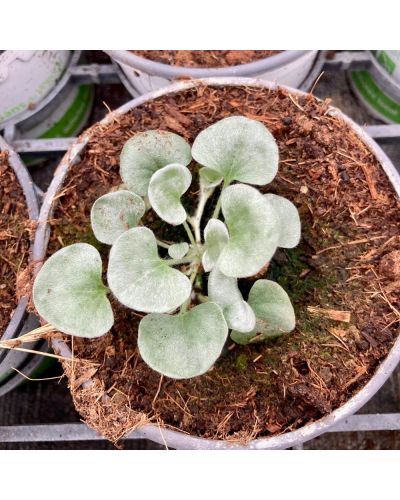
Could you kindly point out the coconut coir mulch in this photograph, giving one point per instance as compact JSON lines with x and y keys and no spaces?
{"x":343,"y":287}
{"x":14,"y":239}
{"x":205,"y":58}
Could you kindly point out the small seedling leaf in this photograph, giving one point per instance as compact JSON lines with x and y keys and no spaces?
{"x":186,"y":345}
{"x":166,"y":187}
{"x":238,"y":148}
{"x":115,"y":213}
{"x":140,"y":279}
{"x":69,"y":293}
{"x":289,"y":220}
{"x":253,"y":234}
{"x":147,"y":152}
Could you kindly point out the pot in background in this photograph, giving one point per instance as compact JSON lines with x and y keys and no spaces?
{"x":140,"y":75}
{"x":378,"y":88}
{"x":21,"y":322}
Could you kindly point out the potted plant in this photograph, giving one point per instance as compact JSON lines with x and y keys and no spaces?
{"x":19,"y":211}
{"x":147,"y":70}
{"x":341,"y":278}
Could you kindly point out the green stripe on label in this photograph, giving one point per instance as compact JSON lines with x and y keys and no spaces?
{"x":386,"y":61}
{"x":72,"y":120}
{"x":370,"y":91}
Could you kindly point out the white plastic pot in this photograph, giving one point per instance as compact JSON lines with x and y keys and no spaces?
{"x":180,"y":440}
{"x":140,"y":75}
{"x":26,"y":78}
{"x":378,"y":88}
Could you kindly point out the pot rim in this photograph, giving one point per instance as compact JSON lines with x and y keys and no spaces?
{"x":32,"y":203}
{"x":60,"y":84}
{"x":178,"y":439}
{"x":170,"y":71}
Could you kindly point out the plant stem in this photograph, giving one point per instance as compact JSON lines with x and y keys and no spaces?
{"x":189,"y":233}
{"x":185,"y":305}
{"x":162,"y":244}
{"x":195,"y":221}
{"x":218,"y":205}
{"x":177,"y":262}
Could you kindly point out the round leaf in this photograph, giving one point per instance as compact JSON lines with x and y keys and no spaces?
{"x":115,"y":213}
{"x":273,"y":310}
{"x":166,"y":187}
{"x":178,"y":250}
{"x":147,"y":152}
{"x":224,"y":291}
{"x":238,"y":148}
{"x":216,"y":237}
{"x":69,"y":294}
{"x":253,"y":235}
{"x":186,"y":345}
{"x":289,"y":220}
{"x":139,"y":279}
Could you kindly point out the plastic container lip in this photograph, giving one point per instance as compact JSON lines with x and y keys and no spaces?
{"x":168,"y":71}
{"x":62,"y":82}
{"x":32,"y":204}
{"x":177,"y":439}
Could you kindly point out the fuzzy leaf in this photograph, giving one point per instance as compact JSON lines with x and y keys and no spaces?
{"x":115,"y":213}
{"x":289,"y":220}
{"x":147,"y":152}
{"x":224,"y":291}
{"x":186,"y":345}
{"x":253,"y":235}
{"x":209,"y":178}
{"x":166,"y":187}
{"x":139,"y":279}
{"x":238,"y":148}
{"x":69,"y":293}
{"x":178,"y":250}
{"x":273,"y":310}
{"x":216,"y":237}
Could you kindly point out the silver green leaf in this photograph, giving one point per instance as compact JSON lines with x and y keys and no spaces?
{"x":216,"y":236}
{"x":166,"y":187}
{"x":224,"y":291}
{"x":238,"y":148}
{"x":147,"y":152}
{"x":253,"y":234}
{"x":273,"y":310}
{"x":209,"y":178}
{"x":289,"y":220}
{"x":140,"y":279}
{"x":186,"y":345}
{"x":178,"y":250}
{"x":115,"y":213}
{"x":69,"y":293}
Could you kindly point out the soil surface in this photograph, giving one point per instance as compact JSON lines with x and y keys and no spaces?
{"x":205,"y":58}
{"x":14,"y":239}
{"x":346,"y":302}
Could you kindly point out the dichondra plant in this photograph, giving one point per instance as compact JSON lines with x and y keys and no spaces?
{"x":185,"y":327}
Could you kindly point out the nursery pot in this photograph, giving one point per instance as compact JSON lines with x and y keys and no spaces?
{"x":60,"y":111}
{"x":140,"y":75}
{"x":378,"y":88}
{"x":21,"y":322}
{"x":177,"y":439}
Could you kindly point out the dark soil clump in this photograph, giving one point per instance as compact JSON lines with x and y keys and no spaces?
{"x":205,"y":58}
{"x":346,"y":309}
{"x":14,"y":239}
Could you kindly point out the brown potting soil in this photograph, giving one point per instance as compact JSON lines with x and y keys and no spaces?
{"x":205,"y":58}
{"x":347,"y":308}
{"x":14,"y":239}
